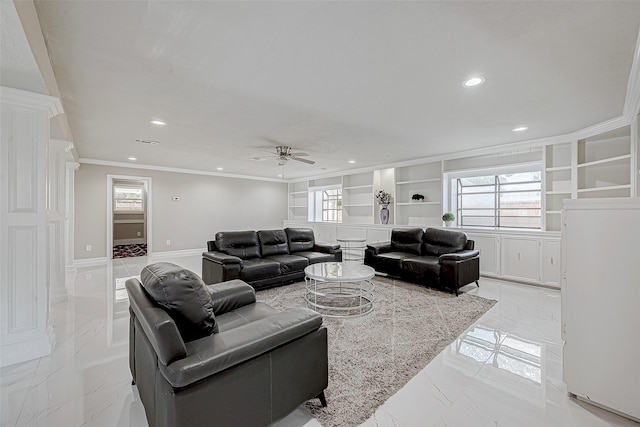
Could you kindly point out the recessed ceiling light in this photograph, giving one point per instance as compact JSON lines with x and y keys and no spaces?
{"x":279,"y":175}
{"x":157,"y":122}
{"x":474,"y":81}
{"x":220,"y":169}
{"x":352,"y":161}
{"x":520,"y":129}
{"x":133,"y":159}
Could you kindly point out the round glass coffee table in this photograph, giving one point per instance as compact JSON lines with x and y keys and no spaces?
{"x":337,"y":289}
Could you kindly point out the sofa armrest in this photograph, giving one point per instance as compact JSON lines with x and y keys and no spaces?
{"x":221,"y":258}
{"x":459,"y":256}
{"x":228,"y":296}
{"x":378,"y":248}
{"x":327,"y":248}
{"x":213,"y":354}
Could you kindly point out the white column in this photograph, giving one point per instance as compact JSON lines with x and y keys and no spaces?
{"x":56,"y":216}
{"x":69,"y":239}
{"x":24,"y":253}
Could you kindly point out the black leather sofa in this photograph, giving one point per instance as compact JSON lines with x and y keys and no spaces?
{"x":264,"y":258}
{"x":435,"y":257}
{"x":211,"y":355}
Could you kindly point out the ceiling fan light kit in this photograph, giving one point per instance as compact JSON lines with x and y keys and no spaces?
{"x":284,"y":154}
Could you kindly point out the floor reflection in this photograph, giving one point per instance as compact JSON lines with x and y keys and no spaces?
{"x":502,"y":350}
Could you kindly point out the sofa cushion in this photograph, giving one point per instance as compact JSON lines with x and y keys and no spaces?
{"x":391,"y":262}
{"x":243,"y":244}
{"x":423,"y":266}
{"x":273,"y":242}
{"x":259,"y":268}
{"x":300,"y":239}
{"x":184,"y":296}
{"x":438,"y":242}
{"x":407,"y":240}
{"x":290,"y":263}
{"x":316,"y":257}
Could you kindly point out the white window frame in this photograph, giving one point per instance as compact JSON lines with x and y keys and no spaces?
{"x":451,"y":197}
{"x":142,"y":199}
{"x":316,"y":203}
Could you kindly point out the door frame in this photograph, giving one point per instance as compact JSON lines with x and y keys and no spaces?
{"x":147,"y":181}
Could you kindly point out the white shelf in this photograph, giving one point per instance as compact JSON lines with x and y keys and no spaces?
{"x":554,"y":212}
{"x":551,"y":193}
{"x":128,"y":221}
{"x":418,"y":181}
{"x":298,"y":206}
{"x":298,"y":192}
{"x":609,"y":160}
{"x":356,"y":187}
{"x":607,"y":188}
{"x":558,"y":168}
{"x":417,"y":203}
{"x":358,"y":205}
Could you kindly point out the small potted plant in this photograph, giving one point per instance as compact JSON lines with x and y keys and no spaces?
{"x":417,"y":198}
{"x":448,"y":218}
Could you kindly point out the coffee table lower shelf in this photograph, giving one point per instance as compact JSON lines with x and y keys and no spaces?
{"x":340,"y":299}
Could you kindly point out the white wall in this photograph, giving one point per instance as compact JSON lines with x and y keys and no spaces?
{"x":208,"y":204}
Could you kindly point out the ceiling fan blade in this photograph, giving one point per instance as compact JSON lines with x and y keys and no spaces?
{"x":311,"y":162}
{"x":299,"y":154}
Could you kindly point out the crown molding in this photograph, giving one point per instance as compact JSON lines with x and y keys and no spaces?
{"x":175,"y":170}
{"x":31,"y":100}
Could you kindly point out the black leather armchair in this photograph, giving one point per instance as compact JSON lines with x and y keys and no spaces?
{"x":436,"y":257}
{"x":252,"y":367}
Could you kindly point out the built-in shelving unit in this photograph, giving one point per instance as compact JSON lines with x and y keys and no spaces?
{"x":426,"y":180}
{"x":357,"y":198}
{"x":558,"y":181}
{"x":604,"y":165}
{"x":298,"y":201}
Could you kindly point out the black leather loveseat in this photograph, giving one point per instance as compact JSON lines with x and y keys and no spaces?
{"x":211,"y":355}
{"x":435,"y":257}
{"x":264,"y":258}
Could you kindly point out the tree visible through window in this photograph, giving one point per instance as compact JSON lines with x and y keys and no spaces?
{"x":500,"y":200}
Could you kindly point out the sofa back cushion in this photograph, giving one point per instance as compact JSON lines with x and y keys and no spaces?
{"x":300,"y":239}
{"x":184,"y":296}
{"x":407,"y":240}
{"x":243,"y":244}
{"x":273,"y":242}
{"x":438,"y":242}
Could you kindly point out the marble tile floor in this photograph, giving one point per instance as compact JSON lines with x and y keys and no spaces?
{"x":505,"y":370}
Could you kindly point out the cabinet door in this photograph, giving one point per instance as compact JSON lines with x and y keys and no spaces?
{"x":551,"y":264}
{"x":521,"y":258}
{"x":487,"y":245}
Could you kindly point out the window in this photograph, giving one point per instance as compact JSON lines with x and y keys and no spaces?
{"x":325,"y":204}
{"x":507,"y":200}
{"x":128,"y":199}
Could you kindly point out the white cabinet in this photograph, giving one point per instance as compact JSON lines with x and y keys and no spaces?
{"x":521,"y":258}
{"x":600,"y":300}
{"x":551,"y":262}
{"x":488,"y":246}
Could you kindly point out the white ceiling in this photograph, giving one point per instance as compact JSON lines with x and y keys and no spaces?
{"x":376,"y":82}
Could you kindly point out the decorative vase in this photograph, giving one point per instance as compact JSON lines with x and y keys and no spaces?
{"x":448,"y":223}
{"x":384,"y":213}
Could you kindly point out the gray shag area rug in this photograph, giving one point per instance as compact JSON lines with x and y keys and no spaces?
{"x":373,"y":356}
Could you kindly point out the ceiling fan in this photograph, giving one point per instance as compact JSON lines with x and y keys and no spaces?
{"x":284,"y":154}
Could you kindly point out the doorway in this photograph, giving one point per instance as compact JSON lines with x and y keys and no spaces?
{"x":128,"y":216}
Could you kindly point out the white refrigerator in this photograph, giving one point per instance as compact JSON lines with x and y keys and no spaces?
{"x":601,"y":302}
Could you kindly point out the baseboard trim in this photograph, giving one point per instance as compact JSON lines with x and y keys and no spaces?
{"x":90,"y":262}
{"x":23,"y":351}
{"x":173,"y":254}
